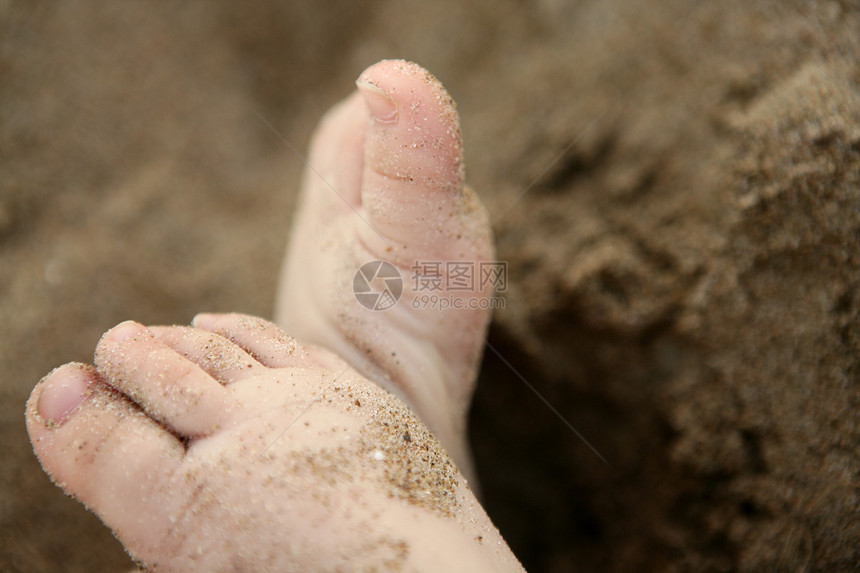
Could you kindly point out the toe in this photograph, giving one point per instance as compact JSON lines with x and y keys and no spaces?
{"x":414,"y":132}
{"x":412,"y":186}
{"x":262,"y":339}
{"x":337,"y":156}
{"x":63,"y":391}
{"x":169,"y":387}
{"x":220,"y":358}
{"x":101,"y":449}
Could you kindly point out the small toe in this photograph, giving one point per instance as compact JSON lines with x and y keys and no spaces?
{"x":263,"y":340}
{"x":336,"y":157}
{"x":222,"y":359}
{"x":169,"y":387}
{"x":101,"y":449}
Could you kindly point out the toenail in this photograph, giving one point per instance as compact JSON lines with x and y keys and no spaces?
{"x":204,"y":320}
{"x":380,"y":104}
{"x":123,"y":331}
{"x":62,"y":392}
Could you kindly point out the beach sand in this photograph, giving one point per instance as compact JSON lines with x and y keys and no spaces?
{"x":675,"y":189}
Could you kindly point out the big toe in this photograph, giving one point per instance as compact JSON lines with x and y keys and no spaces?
{"x":101,"y":449}
{"x":412,"y":181}
{"x":414,"y":131}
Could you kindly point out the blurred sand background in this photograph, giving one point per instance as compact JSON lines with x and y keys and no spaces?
{"x":684,"y":269}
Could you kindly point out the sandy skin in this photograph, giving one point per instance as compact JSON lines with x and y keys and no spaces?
{"x":387,"y":184}
{"x":230,"y":446}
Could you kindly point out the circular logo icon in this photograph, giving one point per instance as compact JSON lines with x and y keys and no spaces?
{"x":377,"y":285}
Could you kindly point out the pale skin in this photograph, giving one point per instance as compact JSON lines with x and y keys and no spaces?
{"x":231,"y":446}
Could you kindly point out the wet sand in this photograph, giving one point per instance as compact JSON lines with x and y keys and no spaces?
{"x":674,"y":188}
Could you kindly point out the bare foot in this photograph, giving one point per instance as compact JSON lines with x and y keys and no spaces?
{"x":386,"y":184}
{"x":231,"y":447}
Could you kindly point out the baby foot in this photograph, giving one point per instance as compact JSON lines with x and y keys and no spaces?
{"x":385,"y":183}
{"x":231,"y":447}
